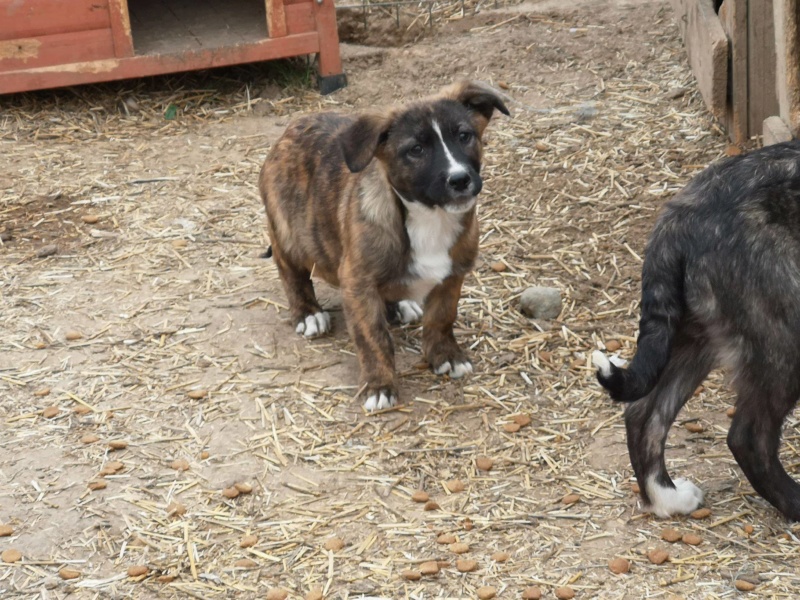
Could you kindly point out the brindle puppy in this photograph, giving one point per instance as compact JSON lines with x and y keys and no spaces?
{"x":382,"y":205}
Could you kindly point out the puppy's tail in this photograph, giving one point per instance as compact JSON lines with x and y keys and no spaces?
{"x":268,"y":253}
{"x":662,"y":308}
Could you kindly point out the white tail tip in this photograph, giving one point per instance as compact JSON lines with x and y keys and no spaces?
{"x":602,"y":363}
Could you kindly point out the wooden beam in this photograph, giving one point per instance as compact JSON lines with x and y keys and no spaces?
{"x":121,"y":28}
{"x":733,"y":16}
{"x":787,"y":72}
{"x":761,"y":63}
{"x":276,"y":19}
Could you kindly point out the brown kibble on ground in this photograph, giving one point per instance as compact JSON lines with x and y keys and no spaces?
{"x":635,"y":488}
{"x":466,"y":566}
{"x":42,"y":392}
{"x":114,"y":466}
{"x":230,"y":492}
{"x":455,"y":486}
{"x":744,"y":586}
{"x":500,"y":557}
{"x":486,"y":592}
{"x":50,"y":412}
{"x":248,"y":541}
{"x":671,"y":535}
{"x":731,"y":412}
{"x":243,"y":487}
{"x":446,"y":538}
{"x":176,"y":509}
{"x":169,"y":578}
{"x":277,"y":594}
{"x":484,"y":463}
{"x":245,"y":563}
{"x":467,"y":524}
{"x":420,"y":496}
{"x":73,"y":335}
{"x":10,"y":556}
{"x":657,"y":557}
{"x":197,"y":394}
{"x":570,"y":499}
{"x":90,"y":438}
{"x":701,"y":513}
{"x":412,"y":575}
{"x":522,"y":420}
{"x":334,"y":544}
{"x":6,"y":530}
{"x":430,"y":567}
{"x":90,"y":219}
{"x":749,"y":529}
{"x":81,"y":410}
{"x":613,"y":345}
{"x":619,"y":566}
{"x":499,"y":266}
{"x":67,"y":573}
{"x":692,"y":539}
{"x":511,"y":427}
{"x":204,"y":455}
{"x":565,"y":593}
{"x":694,"y":427}
{"x":100,"y":484}
{"x":531,"y":593}
{"x":431,"y":505}
{"x":315,"y":594}
{"x":180,"y":464}
{"x":118,"y":444}
{"x":179,"y":243}
{"x":138,"y":570}
{"x":459,"y":548}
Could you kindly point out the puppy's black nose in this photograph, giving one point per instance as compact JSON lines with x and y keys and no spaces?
{"x":459,"y":182}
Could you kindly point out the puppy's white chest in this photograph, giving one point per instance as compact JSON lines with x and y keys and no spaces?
{"x":432,"y":233}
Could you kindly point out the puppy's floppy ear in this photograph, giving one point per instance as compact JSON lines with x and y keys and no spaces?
{"x":477,"y":96}
{"x":360,"y":141}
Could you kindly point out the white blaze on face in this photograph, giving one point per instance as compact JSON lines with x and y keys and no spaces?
{"x":455,"y":167}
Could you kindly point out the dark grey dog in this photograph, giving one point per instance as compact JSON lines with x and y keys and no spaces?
{"x":720,"y":286}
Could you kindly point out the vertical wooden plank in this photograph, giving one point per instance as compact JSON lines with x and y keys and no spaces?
{"x":330,"y":62}
{"x":787,"y":50}
{"x":276,"y":19}
{"x":733,"y":15}
{"x":121,"y":28}
{"x":761,"y":63}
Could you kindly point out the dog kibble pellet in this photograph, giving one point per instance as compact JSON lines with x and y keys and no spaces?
{"x":570,"y":499}
{"x":531,"y":593}
{"x":90,"y":438}
{"x":613,"y":345}
{"x":334,"y":544}
{"x":277,"y":594}
{"x":694,"y":427}
{"x":486,"y":592}
{"x":90,"y":219}
{"x":692,"y":539}
{"x":467,"y":524}
{"x":114,"y":466}
{"x":620,"y":566}
{"x":50,"y":412}
{"x":72,"y":336}
{"x":484,"y":463}
{"x":244,"y":488}
{"x":431,"y":505}
{"x":500,"y":557}
{"x":81,"y":410}
{"x":100,"y":484}
{"x":522,"y":420}
{"x":657,"y":557}
{"x":10,"y":556}
{"x":420,"y":496}
{"x":118,"y":444}
{"x":230,"y":492}
{"x":466,"y":566}
{"x":701,"y":513}
{"x":499,"y":266}
{"x":176,"y":508}
{"x":42,"y":392}
{"x":204,"y":455}
{"x":731,"y":412}
{"x":446,"y":538}
{"x":6,"y":530}
{"x":744,"y":586}
{"x":138,"y":570}
{"x":67,"y":573}
{"x":635,"y":488}
{"x":459,"y":548}
{"x":455,"y":486}
{"x":248,"y":541}
{"x":412,"y":575}
{"x":749,"y":529}
{"x":245,"y":563}
{"x":670,"y":535}
{"x":430,"y":567}
{"x":315,"y":594}
{"x":197,"y":394}
{"x":166,"y":578}
{"x":180,"y":464}
{"x":511,"y":427}
{"x":565,"y":593}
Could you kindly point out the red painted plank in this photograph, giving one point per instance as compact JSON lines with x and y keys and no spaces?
{"x":143,"y":66}
{"x":300,"y":18}
{"x":330,"y":62}
{"x":121,"y":28}
{"x":35,"y":18}
{"x":79,"y":46}
{"x":276,"y":19}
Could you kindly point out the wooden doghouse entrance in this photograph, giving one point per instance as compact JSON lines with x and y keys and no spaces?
{"x":54,"y":43}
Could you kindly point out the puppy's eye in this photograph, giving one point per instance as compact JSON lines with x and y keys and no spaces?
{"x":416,"y":151}
{"x":465,"y":137}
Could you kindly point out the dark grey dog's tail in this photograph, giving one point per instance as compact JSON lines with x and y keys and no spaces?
{"x":662,"y":308}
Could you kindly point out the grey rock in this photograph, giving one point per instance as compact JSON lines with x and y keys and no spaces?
{"x":541,"y":302}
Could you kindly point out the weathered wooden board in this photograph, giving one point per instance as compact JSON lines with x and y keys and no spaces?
{"x":43,"y":51}
{"x":787,"y":48}
{"x":733,"y":16}
{"x":19,"y":20}
{"x":763,"y":100}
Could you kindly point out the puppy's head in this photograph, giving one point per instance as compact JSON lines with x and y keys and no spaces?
{"x":430,"y":150}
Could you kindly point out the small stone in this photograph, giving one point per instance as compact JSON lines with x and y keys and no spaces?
{"x":46,"y":251}
{"x":245,"y":563}
{"x":72,"y":336}
{"x":230,"y":492}
{"x":466,"y":566}
{"x":42,"y":392}
{"x":138,"y":570}
{"x":90,"y":438}
{"x":531,"y":593}
{"x":430,"y":567}
{"x":431,"y":505}
{"x":671,"y":535}
{"x":315,"y":594}
{"x":50,"y":412}
{"x":731,"y":412}
{"x":67,"y":573}
{"x":744,"y":586}
{"x":657,"y":557}
{"x":486,"y":592}
{"x":541,"y":302}
{"x":411,"y":575}
{"x":749,"y":529}
{"x":176,"y":509}
{"x":511,"y":427}
{"x":90,"y":219}
{"x":565,"y":593}
{"x":619,"y":566}
{"x":613,"y":345}
{"x":180,"y":464}
{"x":6,"y":530}
{"x":701,"y":513}
{"x":484,"y":463}
{"x":10,"y":556}
{"x":277,"y":594}
{"x":500,"y":557}
{"x":243,"y":487}
{"x":522,"y":420}
{"x":459,"y":548}
{"x":420,"y":496}
{"x":692,"y":539}
{"x":248,"y":541}
{"x":100,"y":484}
{"x":455,"y":486}
{"x":197,"y":394}
{"x":118,"y":444}
{"x":694,"y":427}
{"x":676,"y":92}
{"x":446,"y":538}
{"x":335,"y":544}
{"x":570,"y":499}
{"x":499,"y":266}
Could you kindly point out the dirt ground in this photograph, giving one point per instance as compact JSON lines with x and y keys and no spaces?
{"x":135,"y":309}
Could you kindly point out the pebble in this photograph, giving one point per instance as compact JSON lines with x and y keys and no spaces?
{"x":180,"y":464}
{"x":459,"y":548}
{"x":500,"y":557}
{"x":197,"y":394}
{"x":277,"y":594}
{"x":46,"y":251}
{"x":694,"y":427}
{"x":50,"y":412}
{"x":744,"y":586}
{"x":570,"y":499}
{"x":565,"y":593}
{"x":619,"y":566}
{"x":541,"y":302}
{"x":692,"y":539}
{"x":420,"y":496}
{"x":531,"y":593}
{"x":248,"y":541}
{"x":138,"y":570}
{"x":430,"y":567}
{"x":613,"y":345}
{"x":466,"y":566}
{"x":701,"y":513}
{"x":446,"y":538}
{"x":90,"y":438}
{"x":243,"y":487}
{"x":10,"y":556}
{"x":670,"y":535}
{"x":204,"y":455}
{"x":315,"y":594}
{"x":67,"y":573}
{"x":486,"y":592}
{"x":412,"y":575}
{"x":484,"y":463}
{"x":6,"y":530}
{"x":455,"y":486}
{"x":335,"y":544}
{"x":657,"y":557}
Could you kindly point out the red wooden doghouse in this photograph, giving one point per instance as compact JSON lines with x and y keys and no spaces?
{"x":54,"y":43}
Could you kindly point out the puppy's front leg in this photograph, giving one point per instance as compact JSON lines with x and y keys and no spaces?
{"x":365,"y":312}
{"x":438,"y":342}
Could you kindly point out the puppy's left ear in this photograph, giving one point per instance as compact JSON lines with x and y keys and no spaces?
{"x":362,"y":140}
{"x":479,"y":97}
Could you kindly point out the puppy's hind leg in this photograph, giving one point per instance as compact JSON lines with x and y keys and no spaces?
{"x":308,"y":317}
{"x":648,"y":421}
{"x":755,"y":434}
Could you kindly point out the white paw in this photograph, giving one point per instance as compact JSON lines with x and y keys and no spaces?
{"x":379,"y":401}
{"x":457,"y":370}
{"x":618,"y":361}
{"x":666,"y":501}
{"x":410,"y":311}
{"x":602,"y":363}
{"x":314,"y":325}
